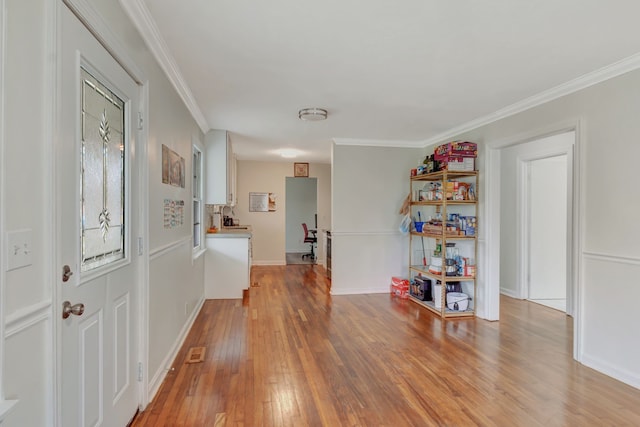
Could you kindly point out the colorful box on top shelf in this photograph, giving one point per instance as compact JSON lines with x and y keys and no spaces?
{"x":455,"y":149}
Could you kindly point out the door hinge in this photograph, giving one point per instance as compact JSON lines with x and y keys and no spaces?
{"x":140,"y":246}
{"x":139,"y":371}
{"x":140,"y":120}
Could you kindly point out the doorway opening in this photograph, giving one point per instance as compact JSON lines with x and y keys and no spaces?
{"x":545,"y":221}
{"x":301,"y":208}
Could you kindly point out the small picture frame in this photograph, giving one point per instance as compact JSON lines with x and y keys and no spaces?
{"x":301,"y":170}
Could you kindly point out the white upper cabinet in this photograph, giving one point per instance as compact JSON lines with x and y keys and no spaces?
{"x":220,"y":169}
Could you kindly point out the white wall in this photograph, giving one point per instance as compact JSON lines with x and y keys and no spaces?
{"x":27,"y":294}
{"x":369,"y":186}
{"x":608,"y":254}
{"x":302,"y":200}
{"x":175,"y":280}
{"x":268,"y":240}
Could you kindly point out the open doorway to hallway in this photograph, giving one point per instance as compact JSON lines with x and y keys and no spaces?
{"x":301,"y":208}
{"x":536,"y":211}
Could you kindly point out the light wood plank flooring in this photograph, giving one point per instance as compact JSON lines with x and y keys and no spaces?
{"x":293,"y":355}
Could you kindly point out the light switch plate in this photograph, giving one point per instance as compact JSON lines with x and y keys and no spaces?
{"x":18,"y":249}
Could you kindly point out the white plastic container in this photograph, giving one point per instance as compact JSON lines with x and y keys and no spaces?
{"x":437,"y":295}
{"x":457,"y":301}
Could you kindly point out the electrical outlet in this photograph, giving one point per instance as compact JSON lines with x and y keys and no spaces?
{"x":18,"y":249}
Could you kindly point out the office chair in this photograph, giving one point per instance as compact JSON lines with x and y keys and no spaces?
{"x":311,"y":238}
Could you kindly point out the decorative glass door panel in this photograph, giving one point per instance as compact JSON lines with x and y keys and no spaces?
{"x":103,"y":174}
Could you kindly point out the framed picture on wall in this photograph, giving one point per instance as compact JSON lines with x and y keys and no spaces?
{"x":301,"y":170}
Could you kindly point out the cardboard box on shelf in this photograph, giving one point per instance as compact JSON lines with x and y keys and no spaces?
{"x":459,"y":164}
{"x":455,"y":149}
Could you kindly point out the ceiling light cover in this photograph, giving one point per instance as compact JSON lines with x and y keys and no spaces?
{"x":289,"y":153}
{"x":312,"y":114}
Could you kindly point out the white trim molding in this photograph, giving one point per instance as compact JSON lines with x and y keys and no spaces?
{"x":91,"y":19}
{"x":367,"y":233}
{"x":590,"y":79}
{"x":27,"y":317}
{"x":379,"y":143}
{"x":598,"y":256}
{"x":5,"y":408}
{"x":170,"y":247}
{"x":144,"y":22}
{"x":598,"y":76}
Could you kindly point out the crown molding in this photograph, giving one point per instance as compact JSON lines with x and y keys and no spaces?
{"x":96,"y":24}
{"x":145,"y":24}
{"x":379,"y":143}
{"x":616,"y":69}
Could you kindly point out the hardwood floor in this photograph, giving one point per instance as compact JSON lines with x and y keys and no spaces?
{"x":293,"y":355}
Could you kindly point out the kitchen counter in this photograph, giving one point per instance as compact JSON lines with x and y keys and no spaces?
{"x":241,"y":231}
{"x":227,"y":262}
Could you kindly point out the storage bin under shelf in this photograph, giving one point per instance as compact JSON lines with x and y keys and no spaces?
{"x":430,"y":305}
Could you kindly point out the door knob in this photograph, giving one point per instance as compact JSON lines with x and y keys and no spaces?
{"x":75,"y":309}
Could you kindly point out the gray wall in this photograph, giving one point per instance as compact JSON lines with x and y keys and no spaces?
{"x":369,"y":186}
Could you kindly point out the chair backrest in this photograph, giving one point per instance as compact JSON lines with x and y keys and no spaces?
{"x":306,"y":230}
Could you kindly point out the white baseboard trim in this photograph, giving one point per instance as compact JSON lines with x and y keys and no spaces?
{"x":612,"y":371}
{"x":269,"y":262}
{"x":156,"y":381}
{"x":510,"y":293}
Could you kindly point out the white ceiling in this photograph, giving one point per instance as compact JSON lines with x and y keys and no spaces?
{"x":401,"y":71}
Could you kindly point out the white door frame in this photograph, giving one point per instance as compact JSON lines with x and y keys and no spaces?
{"x":493,"y":207}
{"x":489,"y":242}
{"x":92,"y":20}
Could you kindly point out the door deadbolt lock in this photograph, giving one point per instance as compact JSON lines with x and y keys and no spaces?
{"x":75,"y":309}
{"x":66,"y":273}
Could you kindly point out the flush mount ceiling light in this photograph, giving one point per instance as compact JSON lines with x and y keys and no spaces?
{"x":288,"y":153}
{"x":312,"y":114}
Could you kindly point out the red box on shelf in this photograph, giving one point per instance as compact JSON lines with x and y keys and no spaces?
{"x":455,"y":149}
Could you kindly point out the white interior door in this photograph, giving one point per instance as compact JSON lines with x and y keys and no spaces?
{"x":547,"y":233}
{"x":97,"y":207}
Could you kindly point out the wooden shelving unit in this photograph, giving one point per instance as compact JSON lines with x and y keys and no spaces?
{"x":468,"y":243}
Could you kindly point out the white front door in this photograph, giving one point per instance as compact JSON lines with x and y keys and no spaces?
{"x":97,"y":206}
